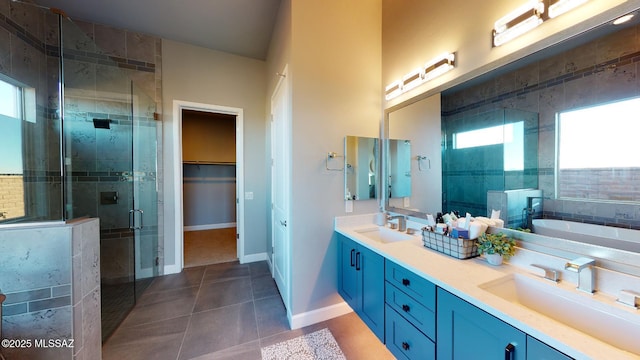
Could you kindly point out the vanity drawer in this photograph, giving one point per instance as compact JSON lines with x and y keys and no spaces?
{"x":413,"y":285}
{"x":420,"y":316}
{"x":404,"y":340}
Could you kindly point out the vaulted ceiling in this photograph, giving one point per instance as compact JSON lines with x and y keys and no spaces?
{"x":241,"y":27}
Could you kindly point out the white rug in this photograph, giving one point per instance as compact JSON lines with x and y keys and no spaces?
{"x":319,"y":345}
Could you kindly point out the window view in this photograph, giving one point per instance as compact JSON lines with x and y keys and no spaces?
{"x":11,"y":171}
{"x":511,"y":135}
{"x":597,"y":152}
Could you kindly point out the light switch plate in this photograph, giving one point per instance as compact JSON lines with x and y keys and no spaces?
{"x":348,"y":206}
{"x":248,"y":195}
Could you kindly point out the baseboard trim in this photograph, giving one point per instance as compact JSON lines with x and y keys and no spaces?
{"x":254,"y":258}
{"x":315,"y":316}
{"x":171,"y":269}
{"x":209,"y":226}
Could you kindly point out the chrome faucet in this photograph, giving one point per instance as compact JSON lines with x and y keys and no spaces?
{"x":402,"y":221}
{"x":629,"y":298}
{"x":585,"y":267}
{"x":549,"y":273}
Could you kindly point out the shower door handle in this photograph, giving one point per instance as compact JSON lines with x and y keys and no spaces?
{"x":132,"y":219}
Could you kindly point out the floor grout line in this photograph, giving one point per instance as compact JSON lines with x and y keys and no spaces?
{"x":195,"y":301}
{"x":255,"y":272}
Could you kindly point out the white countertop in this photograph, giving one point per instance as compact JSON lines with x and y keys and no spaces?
{"x":463,"y":277}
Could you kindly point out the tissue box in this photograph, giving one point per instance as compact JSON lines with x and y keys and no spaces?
{"x":459,"y":233}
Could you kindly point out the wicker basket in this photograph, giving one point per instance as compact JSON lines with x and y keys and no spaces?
{"x":458,"y":248}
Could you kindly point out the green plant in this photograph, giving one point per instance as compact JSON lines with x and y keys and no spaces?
{"x":498,"y":243}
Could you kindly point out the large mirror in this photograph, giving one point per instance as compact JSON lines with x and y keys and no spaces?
{"x":361,"y":167}
{"x":566,"y":169}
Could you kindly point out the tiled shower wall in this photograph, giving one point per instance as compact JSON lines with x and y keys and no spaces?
{"x":602,"y":70}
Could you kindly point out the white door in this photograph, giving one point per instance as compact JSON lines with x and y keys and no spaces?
{"x":280,"y":185}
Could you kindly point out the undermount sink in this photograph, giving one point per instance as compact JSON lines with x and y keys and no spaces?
{"x":608,"y":323}
{"x":385,"y":235}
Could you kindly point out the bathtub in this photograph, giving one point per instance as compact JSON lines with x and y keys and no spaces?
{"x":607,"y":236}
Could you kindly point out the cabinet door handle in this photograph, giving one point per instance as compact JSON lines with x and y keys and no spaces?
{"x":405,"y":346}
{"x":406,"y":308}
{"x":358,"y":261}
{"x":509,"y":351}
{"x":406,"y":282}
{"x":352,"y":257}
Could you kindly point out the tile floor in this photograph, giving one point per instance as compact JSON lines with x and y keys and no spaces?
{"x":222,"y":311}
{"x":204,"y":247}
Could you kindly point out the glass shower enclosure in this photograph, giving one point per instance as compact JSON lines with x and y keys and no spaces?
{"x":110,"y":147}
{"x":494,"y":150}
{"x":79,"y":138}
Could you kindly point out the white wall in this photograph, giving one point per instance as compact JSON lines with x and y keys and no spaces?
{"x":333,"y":52}
{"x":200,"y":75}
{"x":415,"y":31}
{"x":335,"y":66}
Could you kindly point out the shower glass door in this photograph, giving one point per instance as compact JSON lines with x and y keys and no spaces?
{"x":144,"y":213}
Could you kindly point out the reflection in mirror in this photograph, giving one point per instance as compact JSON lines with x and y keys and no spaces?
{"x":399,"y":168}
{"x":488,"y":152}
{"x":361,"y":164}
{"x":595,"y":68}
{"x":418,"y":123}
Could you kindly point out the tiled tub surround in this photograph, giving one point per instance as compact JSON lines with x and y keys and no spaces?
{"x":463,"y":277}
{"x":50,"y":274}
{"x":600,"y":71}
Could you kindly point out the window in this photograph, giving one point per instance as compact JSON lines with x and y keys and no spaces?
{"x":13,"y":111}
{"x":597,"y":152}
{"x":511,"y":135}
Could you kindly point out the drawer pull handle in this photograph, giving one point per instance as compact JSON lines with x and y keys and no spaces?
{"x":352,"y":257}
{"x":406,"y":308}
{"x":406,"y":282}
{"x":509,"y":352}
{"x":405,"y":346}
{"x":358,"y":261}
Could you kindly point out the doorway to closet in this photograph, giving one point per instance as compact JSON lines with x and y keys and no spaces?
{"x":209,"y":184}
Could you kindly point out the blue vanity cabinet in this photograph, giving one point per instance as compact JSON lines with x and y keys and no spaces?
{"x":467,"y":332}
{"x":411,"y":314}
{"x":361,"y":283}
{"x":537,"y":350}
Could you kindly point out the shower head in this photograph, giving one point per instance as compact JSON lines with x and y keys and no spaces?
{"x":102,"y":123}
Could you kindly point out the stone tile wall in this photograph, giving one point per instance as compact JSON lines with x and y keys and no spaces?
{"x":51,"y":277}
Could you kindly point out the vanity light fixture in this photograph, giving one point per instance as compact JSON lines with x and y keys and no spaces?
{"x":559,"y":7}
{"x":439,"y":66}
{"x":412,"y":79}
{"x":392,"y":90}
{"x":518,"y":22}
{"x":417,"y":77}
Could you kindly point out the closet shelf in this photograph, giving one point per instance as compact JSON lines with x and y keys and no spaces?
{"x":199,"y":162}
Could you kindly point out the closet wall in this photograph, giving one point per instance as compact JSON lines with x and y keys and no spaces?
{"x":209,"y":170}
